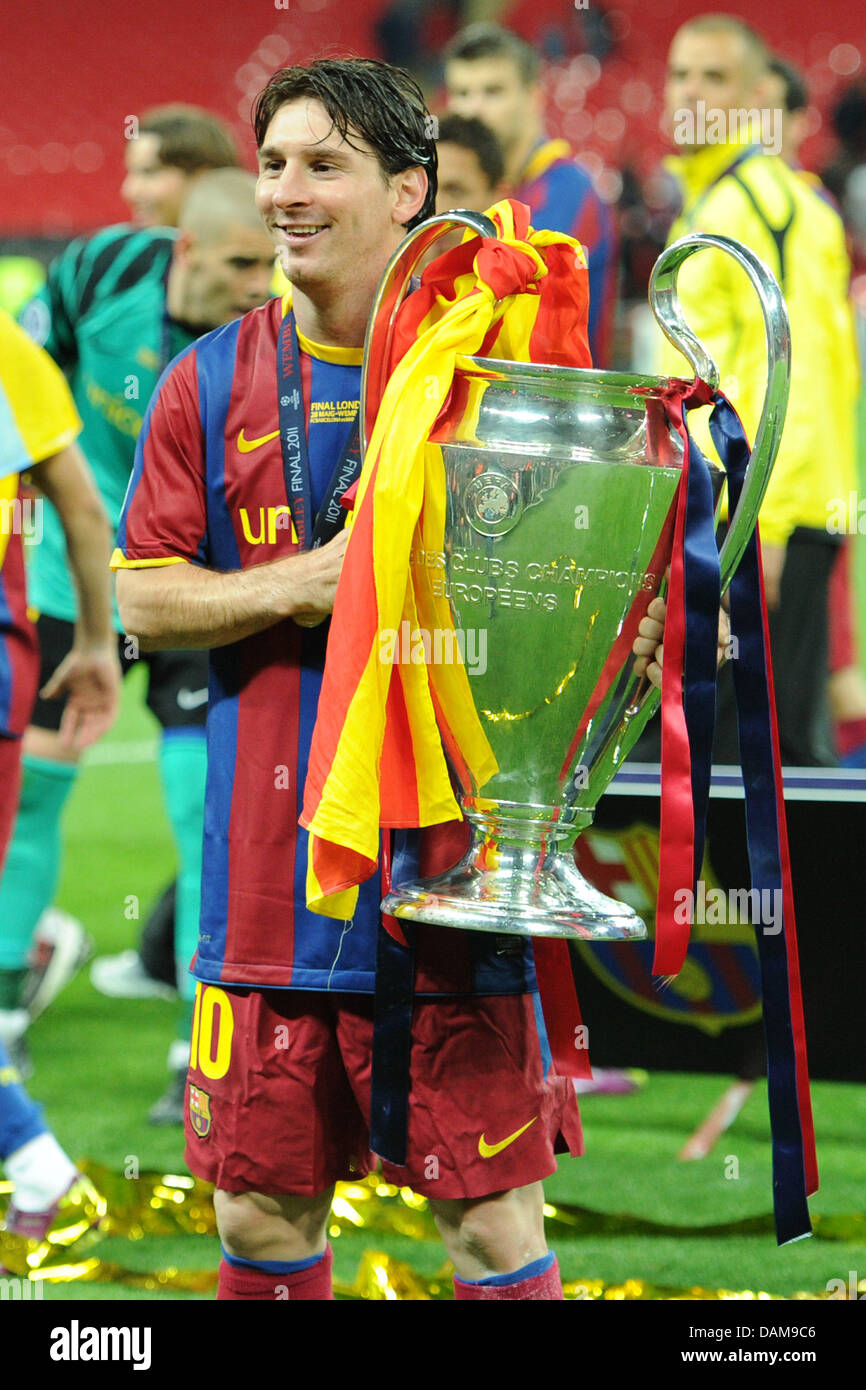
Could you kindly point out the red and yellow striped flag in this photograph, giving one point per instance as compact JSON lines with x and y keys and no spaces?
{"x":376,"y":757}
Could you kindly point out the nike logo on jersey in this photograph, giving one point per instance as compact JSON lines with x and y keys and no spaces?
{"x":488,"y":1150}
{"x":191,"y":699}
{"x":246,"y":446}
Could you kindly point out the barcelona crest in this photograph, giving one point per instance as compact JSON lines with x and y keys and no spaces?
{"x":199,"y":1111}
{"x":719,"y":985}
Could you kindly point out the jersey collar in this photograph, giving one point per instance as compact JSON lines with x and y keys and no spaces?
{"x":325,"y":352}
{"x":698,"y":171}
{"x":542,"y":157}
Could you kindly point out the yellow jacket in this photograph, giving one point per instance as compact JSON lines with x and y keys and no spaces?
{"x":768,"y":207}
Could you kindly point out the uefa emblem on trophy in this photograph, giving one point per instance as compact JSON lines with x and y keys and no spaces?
{"x":561,"y":488}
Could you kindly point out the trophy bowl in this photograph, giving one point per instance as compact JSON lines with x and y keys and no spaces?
{"x":561,"y":497}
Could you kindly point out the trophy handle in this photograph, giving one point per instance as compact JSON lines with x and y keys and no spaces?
{"x":669,"y":315}
{"x":668,"y":312}
{"x":397,"y":274}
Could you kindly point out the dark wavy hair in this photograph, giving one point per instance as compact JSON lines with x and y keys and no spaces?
{"x":190,"y":138}
{"x":471,"y":134}
{"x":381,"y":103}
{"x":796,"y":97}
{"x":485,"y":40}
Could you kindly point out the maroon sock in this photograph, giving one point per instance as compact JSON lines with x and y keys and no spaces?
{"x":543,"y":1287}
{"x":259,"y":1285}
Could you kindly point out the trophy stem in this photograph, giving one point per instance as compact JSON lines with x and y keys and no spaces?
{"x":518,"y":878}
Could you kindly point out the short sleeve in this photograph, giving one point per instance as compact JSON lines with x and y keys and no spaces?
{"x":50,"y":318}
{"x":164,"y":517}
{"x":38,"y":417}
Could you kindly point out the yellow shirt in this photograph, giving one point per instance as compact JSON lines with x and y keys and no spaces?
{"x":768,"y":207}
{"x":37,"y":413}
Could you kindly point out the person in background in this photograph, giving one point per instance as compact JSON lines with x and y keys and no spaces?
{"x":789,"y":92}
{"x":166,"y":150}
{"x":165,"y":153}
{"x":493,"y":75}
{"x":471,"y":165}
{"x":719,"y":64}
{"x":39,"y":426}
{"x":117,"y":308}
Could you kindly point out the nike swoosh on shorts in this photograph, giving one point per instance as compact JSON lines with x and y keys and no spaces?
{"x":488,"y":1150}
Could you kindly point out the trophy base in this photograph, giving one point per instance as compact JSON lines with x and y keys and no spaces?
{"x":528,"y":893}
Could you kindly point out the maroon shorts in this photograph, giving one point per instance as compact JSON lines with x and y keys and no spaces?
{"x":278,"y":1094}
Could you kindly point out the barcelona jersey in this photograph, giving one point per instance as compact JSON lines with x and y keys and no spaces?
{"x":208,"y":488}
{"x":561,"y":198}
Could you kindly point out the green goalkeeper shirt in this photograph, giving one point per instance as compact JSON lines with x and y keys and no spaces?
{"x":102,"y":316}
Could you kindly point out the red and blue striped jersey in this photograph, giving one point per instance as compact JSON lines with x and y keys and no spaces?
{"x":208,"y":488}
{"x":561,"y":198}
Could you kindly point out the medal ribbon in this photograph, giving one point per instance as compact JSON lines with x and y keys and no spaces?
{"x":311,"y":532}
{"x":688,"y":688}
{"x":795,"y":1166}
{"x":688,"y":707}
{"x":394,"y":1002}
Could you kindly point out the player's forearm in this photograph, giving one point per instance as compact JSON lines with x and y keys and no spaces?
{"x":186,"y":605}
{"x":66,"y":481}
{"x":88,"y":542}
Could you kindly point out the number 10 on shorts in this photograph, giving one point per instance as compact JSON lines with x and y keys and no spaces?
{"x":212,"y":1028}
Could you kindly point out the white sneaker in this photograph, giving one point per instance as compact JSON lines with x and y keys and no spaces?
{"x":60,"y":948}
{"x":124,"y":977}
{"x":13,"y":1025}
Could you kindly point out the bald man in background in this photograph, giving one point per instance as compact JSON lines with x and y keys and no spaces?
{"x":117,"y":308}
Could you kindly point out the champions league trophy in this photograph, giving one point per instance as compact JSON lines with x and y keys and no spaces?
{"x":561,"y":487}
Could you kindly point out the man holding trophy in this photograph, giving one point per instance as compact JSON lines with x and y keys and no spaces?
{"x":347,"y":164}
{"x":308,"y":1033}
